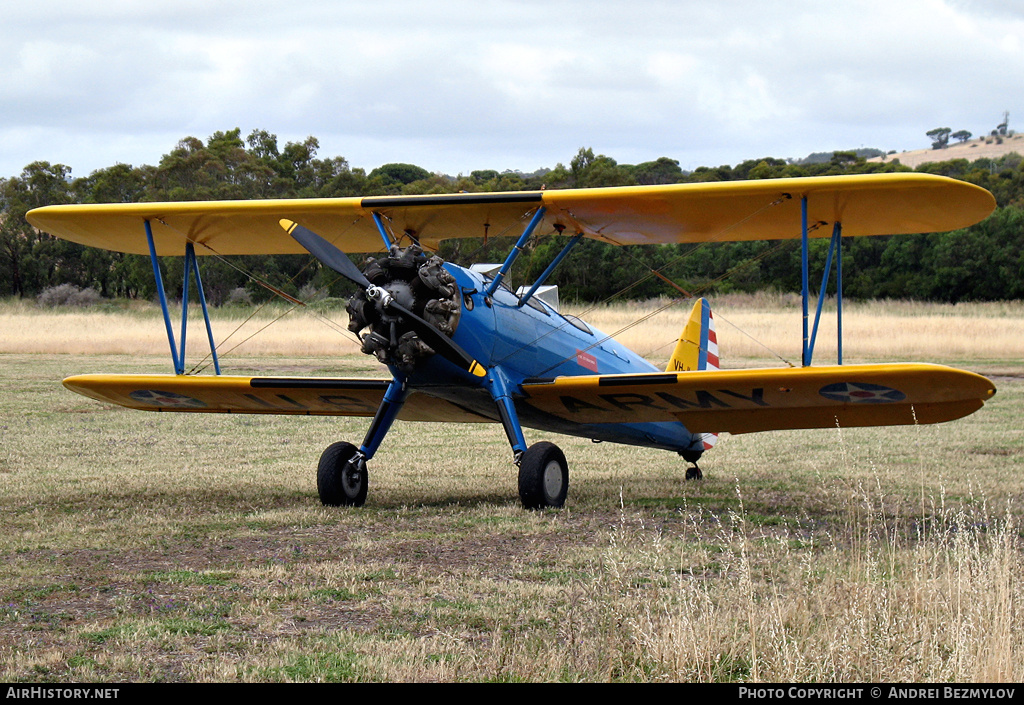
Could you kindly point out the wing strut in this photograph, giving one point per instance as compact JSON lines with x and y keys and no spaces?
{"x":835,"y":248}
{"x":388,"y":243}
{"x":514,"y":254}
{"x":550,"y":268}
{"x":191,"y":266}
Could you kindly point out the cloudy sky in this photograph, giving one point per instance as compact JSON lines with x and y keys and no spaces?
{"x":455,"y":85}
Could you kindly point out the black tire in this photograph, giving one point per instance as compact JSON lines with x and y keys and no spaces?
{"x":337,"y":481}
{"x":543,"y":476}
{"x":694,"y":473}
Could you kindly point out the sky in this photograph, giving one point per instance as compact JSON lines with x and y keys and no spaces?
{"x":455,"y":86}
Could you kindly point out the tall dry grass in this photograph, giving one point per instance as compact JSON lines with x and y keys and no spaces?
{"x":766,"y":328}
{"x":882,"y":603}
{"x":140,"y":330}
{"x":770,"y":327}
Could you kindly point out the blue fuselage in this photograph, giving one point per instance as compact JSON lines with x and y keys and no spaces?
{"x":531,"y":341}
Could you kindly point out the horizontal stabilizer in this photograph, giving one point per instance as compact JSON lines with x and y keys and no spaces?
{"x":262,"y":395}
{"x":744,"y":401}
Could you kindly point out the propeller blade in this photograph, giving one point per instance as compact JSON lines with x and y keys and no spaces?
{"x":441,"y":343}
{"x":340,"y":263}
{"x":326,"y":253}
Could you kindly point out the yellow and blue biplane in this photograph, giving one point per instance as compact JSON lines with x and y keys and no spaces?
{"x":461,"y":346}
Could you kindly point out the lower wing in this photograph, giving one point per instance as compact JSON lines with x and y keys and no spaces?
{"x":735,"y":401}
{"x":262,"y":395}
{"x":744,"y":401}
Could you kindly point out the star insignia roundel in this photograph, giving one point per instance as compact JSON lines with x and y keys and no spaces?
{"x":171,"y":400}
{"x":861,"y":392}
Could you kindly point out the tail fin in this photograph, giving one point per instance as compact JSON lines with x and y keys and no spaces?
{"x":697,"y":349}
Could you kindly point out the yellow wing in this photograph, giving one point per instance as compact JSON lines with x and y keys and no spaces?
{"x":874,"y":204}
{"x":737,"y":401}
{"x":262,"y":395}
{"x":744,"y":401}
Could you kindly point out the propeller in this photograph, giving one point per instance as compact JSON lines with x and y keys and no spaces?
{"x":326,"y":253}
{"x":340,"y":263}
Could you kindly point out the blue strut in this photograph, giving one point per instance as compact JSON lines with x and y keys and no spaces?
{"x":178,"y":368}
{"x":835,"y":248}
{"x":390,"y":405}
{"x":514,"y":254}
{"x":498,"y":386}
{"x":550,"y":268}
{"x":805,"y":358}
{"x":191,"y":267}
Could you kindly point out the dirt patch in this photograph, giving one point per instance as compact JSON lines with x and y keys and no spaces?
{"x":213,"y":587}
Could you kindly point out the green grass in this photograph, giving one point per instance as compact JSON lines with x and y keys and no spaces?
{"x":161,"y":547}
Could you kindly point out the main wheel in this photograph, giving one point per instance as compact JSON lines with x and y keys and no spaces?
{"x":543,"y":476}
{"x":341,"y":478}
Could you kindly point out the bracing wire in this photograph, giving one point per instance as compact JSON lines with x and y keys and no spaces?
{"x":659,"y":274}
{"x":652,"y":273}
{"x":674,"y":302}
{"x":205,"y":362}
{"x":296,"y":303}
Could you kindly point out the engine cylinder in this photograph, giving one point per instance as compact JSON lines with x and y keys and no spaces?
{"x":419,"y":283}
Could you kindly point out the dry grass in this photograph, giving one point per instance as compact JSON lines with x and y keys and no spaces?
{"x":935,"y":607}
{"x":319,"y":331}
{"x":765,"y":329}
{"x":980,"y":148}
{"x":769,"y":328}
{"x":148,"y":547}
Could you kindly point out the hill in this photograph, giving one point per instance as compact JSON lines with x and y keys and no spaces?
{"x":983,"y":147}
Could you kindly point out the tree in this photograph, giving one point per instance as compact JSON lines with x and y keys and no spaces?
{"x":116,"y":184}
{"x":961,"y":136}
{"x":661,"y":171}
{"x":939,"y":137}
{"x":263,"y":145}
{"x":982,"y":262}
{"x":484,"y":175}
{"x":399,"y":173}
{"x":23,"y":255}
{"x":589,"y":171}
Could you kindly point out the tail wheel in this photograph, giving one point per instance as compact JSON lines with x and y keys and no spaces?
{"x":543,"y":476}
{"x":341,"y":478}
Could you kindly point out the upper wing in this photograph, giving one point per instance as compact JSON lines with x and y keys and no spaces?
{"x":262,"y":395}
{"x":770,"y":209}
{"x":743,"y":401}
{"x":872,"y":204}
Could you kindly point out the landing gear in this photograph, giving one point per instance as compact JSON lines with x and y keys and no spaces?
{"x":341,"y":478}
{"x":692,"y":456}
{"x":543,"y":476}
{"x":341,"y":475}
{"x":543,"y":472}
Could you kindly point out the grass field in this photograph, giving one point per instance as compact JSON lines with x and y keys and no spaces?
{"x":144,"y":547}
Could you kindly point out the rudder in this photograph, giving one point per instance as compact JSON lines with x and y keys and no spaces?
{"x":697,"y":349}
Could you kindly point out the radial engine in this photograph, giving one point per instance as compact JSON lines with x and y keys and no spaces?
{"x":419,"y":283}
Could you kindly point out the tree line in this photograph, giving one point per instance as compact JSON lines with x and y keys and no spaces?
{"x":983,"y":262}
